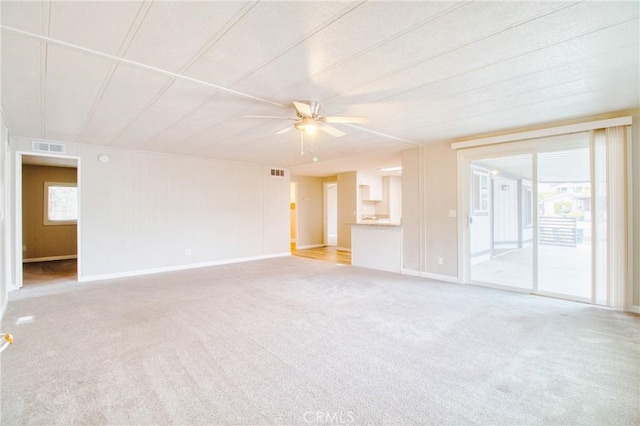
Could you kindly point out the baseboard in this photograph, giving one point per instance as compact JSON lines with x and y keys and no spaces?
{"x":503,"y":287}
{"x":310,"y":246}
{"x":409,"y":272}
{"x":177,"y":267}
{"x":634,"y":308}
{"x":49,"y":258}
{"x":438,"y":277}
{"x":343,"y":249}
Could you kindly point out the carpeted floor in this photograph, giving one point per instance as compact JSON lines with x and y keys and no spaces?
{"x":292,"y":340}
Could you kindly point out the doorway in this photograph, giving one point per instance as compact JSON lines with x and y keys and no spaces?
{"x":331,"y":213}
{"x":48,"y":203}
{"x":537,"y":215}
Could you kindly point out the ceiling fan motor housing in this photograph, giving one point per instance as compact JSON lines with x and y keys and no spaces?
{"x":313,"y":106}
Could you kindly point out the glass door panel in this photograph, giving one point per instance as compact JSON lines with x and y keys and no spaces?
{"x":501,"y":221}
{"x":564,"y":223}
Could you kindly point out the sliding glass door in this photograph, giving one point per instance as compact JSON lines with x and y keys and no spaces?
{"x":565,"y":223}
{"x":548,"y":216}
{"x":532,"y":218}
{"x":501,"y":221}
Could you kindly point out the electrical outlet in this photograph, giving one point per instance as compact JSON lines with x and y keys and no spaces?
{"x":187,"y":252}
{"x":440,"y":260}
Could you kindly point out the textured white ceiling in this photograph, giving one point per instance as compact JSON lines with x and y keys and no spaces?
{"x":96,"y":73}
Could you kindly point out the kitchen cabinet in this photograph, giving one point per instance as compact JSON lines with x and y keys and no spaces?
{"x":370,"y":187}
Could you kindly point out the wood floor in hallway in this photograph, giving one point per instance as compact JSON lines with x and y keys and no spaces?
{"x":328,"y":253}
{"x":53,"y":271}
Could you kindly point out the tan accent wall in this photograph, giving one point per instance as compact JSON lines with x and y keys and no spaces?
{"x":411,"y":238}
{"x":309,"y":209}
{"x":440,"y":196}
{"x":347,"y":207}
{"x":41,"y":240}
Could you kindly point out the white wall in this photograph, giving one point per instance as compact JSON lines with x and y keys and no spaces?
{"x":309,"y":207}
{"x":377,"y":247}
{"x":5,"y":263}
{"x":332,"y":210}
{"x":505,"y":212}
{"x":141,"y":211}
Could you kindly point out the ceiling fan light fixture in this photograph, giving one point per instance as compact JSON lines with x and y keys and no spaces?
{"x":310,"y":129}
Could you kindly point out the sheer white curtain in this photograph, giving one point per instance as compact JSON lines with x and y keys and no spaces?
{"x":617,"y":226}
{"x":610,"y":216}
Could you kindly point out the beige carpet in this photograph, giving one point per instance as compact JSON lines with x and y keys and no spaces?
{"x":293,"y":340}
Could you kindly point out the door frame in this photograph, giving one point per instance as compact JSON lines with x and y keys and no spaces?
{"x":18,"y":282}
{"x":325,"y":212}
{"x":464,"y":159}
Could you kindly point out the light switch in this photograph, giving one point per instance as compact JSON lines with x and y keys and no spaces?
{"x":453,"y":213}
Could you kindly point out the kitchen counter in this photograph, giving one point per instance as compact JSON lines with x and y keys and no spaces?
{"x":377,"y":246}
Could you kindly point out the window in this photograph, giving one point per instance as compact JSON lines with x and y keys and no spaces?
{"x":60,"y":203}
{"x":480,"y":188}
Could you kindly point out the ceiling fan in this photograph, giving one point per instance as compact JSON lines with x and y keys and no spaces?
{"x":308,"y":119}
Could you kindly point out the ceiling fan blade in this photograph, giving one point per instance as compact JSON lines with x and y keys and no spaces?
{"x":346,"y":119}
{"x":285,"y":130}
{"x":303,"y":109}
{"x":267,"y":116}
{"x":331,"y":130}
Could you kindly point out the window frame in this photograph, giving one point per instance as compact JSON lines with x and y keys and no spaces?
{"x":480,"y":195}
{"x":46,"y":220}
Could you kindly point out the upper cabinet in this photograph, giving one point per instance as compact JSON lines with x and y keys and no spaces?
{"x":370,"y":186}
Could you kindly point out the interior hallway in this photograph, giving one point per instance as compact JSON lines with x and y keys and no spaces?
{"x":328,"y":253}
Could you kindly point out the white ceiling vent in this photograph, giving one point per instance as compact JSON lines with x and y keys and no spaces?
{"x":53,"y":148}
{"x":277,"y":173}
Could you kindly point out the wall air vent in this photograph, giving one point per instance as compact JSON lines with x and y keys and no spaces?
{"x":277,"y":173}
{"x":54,"y":148}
